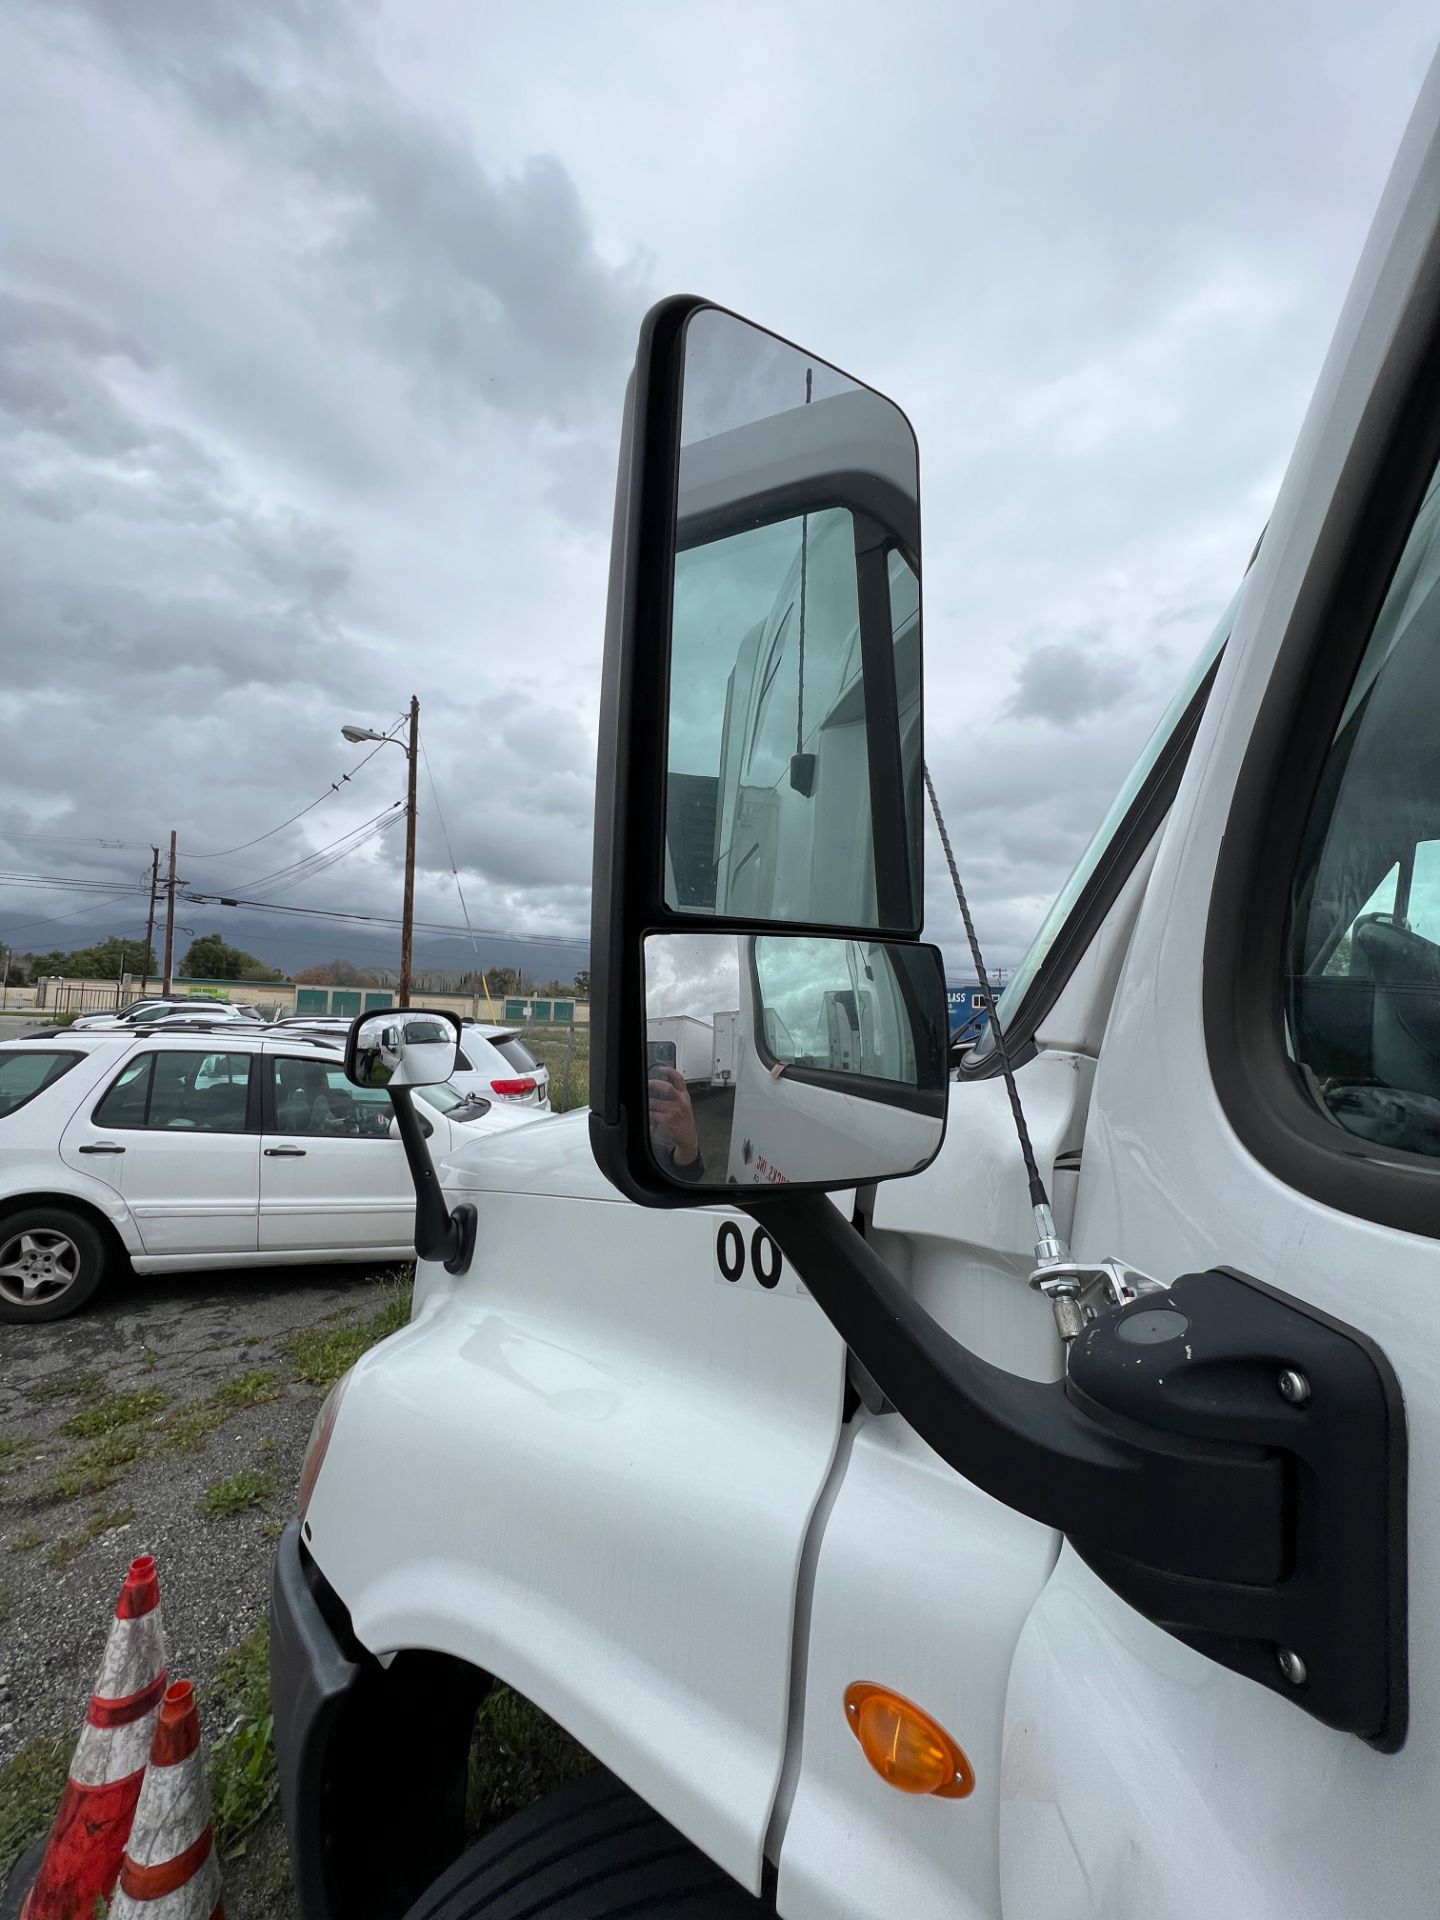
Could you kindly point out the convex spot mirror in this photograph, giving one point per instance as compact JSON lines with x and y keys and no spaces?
{"x":761,"y":764}
{"x":402,"y":1047}
{"x":784,"y":1059}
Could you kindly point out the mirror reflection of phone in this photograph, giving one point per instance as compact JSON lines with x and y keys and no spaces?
{"x":658,"y":1053}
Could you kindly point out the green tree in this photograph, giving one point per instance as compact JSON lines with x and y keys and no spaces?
{"x":503,"y":980}
{"x":106,"y":960}
{"x":582,"y":983}
{"x":213,"y":958}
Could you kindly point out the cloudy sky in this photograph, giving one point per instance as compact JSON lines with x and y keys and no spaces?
{"x":315,"y":317}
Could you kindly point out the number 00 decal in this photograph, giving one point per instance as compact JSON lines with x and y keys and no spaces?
{"x":746,"y":1256}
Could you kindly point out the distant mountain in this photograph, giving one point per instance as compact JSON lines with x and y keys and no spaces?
{"x":293,"y":944}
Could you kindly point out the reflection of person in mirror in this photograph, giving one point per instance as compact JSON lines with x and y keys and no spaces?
{"x":672,"y":1125}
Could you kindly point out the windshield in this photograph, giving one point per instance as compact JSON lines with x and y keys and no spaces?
{"x":445,"y":1099}
{"x":1013,"y":998}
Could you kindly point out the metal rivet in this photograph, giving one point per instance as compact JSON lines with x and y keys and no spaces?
{"x":1292,"y":1666}
{"x":1294,"y":1386}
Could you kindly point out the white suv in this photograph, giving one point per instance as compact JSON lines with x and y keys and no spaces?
{"x":148,"y":1013}
{"x":219,"y":1146}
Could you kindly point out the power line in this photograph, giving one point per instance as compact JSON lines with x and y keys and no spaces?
{"x":89,"y":907}
{"x":334,"y":787}
{"x":449,"y":850}
{"x":380,"y":920}
{"x":297,"y":867}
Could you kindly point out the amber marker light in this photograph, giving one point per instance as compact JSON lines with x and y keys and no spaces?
{"x":904,"y":1745}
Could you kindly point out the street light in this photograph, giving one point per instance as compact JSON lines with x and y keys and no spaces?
{"x":407,"y":923}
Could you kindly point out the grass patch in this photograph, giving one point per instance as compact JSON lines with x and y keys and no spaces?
{"x":255,"y":1389}
{"x":29,"y":1540}
{"x":30,"y":1789}
{"x":187,"y":1428}
{"x":95,"y":1469}
{"x":66,"y":1386}
{"x":517,"y":1754}
{"x":243,"y":1783}
{"x":13,"y":1444}
{"x":568,"y":1061}
{"x":116,"y":1410}
{"x":319,"y":1355}
{"x":65,"y":1551}
{"x":222,"y":1499}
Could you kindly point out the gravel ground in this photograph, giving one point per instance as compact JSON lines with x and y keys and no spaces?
{"x":183,"y":1337}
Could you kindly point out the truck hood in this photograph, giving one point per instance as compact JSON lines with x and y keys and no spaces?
{"x":545,"y":1156}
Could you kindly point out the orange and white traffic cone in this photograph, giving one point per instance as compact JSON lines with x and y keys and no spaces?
{"x":170,"y":1871}
{"x":82,"y":1856}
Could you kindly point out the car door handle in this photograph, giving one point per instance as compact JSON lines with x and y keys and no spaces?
{"x":284,"y":1153}
{"x":101,"y":1146}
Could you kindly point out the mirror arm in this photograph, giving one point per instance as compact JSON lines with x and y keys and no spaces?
{"x":1231,"y":1461}
{"x":439,"y":1234}
{"x":1157,"y":1497}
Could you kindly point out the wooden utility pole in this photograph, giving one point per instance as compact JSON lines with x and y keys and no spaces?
{"x":150,"y":921}
{"x":169,"y":919}
{"x":407,"y":923}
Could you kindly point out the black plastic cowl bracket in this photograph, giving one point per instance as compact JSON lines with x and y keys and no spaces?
{"x":1230,"y":1460}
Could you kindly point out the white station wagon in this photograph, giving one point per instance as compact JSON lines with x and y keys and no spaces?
{"x":220,"y":1147}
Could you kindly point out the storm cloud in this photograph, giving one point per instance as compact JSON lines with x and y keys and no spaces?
{"x":315,"y":319}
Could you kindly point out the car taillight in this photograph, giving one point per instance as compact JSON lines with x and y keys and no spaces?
{"x":319,"y":1445}
{"x":507,"y":1089}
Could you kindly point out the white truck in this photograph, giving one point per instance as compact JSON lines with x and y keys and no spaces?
{"x":915,"y":1588}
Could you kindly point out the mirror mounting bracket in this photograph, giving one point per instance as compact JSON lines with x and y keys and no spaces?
{"x":1228,"y":1459}
{"x":439,"y":1234}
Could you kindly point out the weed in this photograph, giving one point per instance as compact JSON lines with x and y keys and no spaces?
{"x":187,"y":1429}
{"x":224,"y":1498}
{"x":66,"y":1386}
{"x":116,"y":1410}
{"x":243,"y":1781}
{"x":273,"y":1529}
{"x":28,"y":1541}
{"x":517,"y":1754}
{"x":30,"y":1789}
{"x":95,"y":1468}
{"x":248,"y":1390}
{"x":12,"y":1444}
{"x":319,"y":1355}
{"x":65,"y":1551}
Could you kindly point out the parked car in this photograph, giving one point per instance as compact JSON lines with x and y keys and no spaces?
{"x":496,"y":1062}
{"x":151,"y":1013}
{"x":220,"y":1147}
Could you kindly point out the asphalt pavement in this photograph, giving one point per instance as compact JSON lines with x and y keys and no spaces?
{"x":222,"y":1409}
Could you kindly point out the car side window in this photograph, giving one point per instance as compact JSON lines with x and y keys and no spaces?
{"x":1362,"y":978}
{"x":312,"y":1096}
{"x":179,"y":1093}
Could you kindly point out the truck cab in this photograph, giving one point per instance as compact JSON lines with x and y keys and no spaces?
{"x":1015,"y":1500}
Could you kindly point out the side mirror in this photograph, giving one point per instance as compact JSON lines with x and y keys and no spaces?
{"x":760,"y":777}
{"x":402,"y":1047}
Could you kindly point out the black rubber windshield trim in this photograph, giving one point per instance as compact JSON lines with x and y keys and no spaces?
{"x":1391,"y":461}
{"x":1142,"y":820}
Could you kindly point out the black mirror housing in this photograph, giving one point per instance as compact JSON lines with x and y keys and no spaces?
{"x":837,"y":479}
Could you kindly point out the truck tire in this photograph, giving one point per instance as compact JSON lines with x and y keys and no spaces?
{"x":51,"y":1262}
{"x":589,"y":1851}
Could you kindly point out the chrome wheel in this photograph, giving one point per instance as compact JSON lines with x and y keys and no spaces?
{"x":37,"y":1266}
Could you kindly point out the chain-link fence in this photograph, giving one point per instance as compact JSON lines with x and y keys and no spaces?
{"x":565,"y":1050}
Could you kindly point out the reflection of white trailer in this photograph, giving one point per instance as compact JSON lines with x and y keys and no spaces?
{"x":692,"y":1039}
{"x":722,"y":1063}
